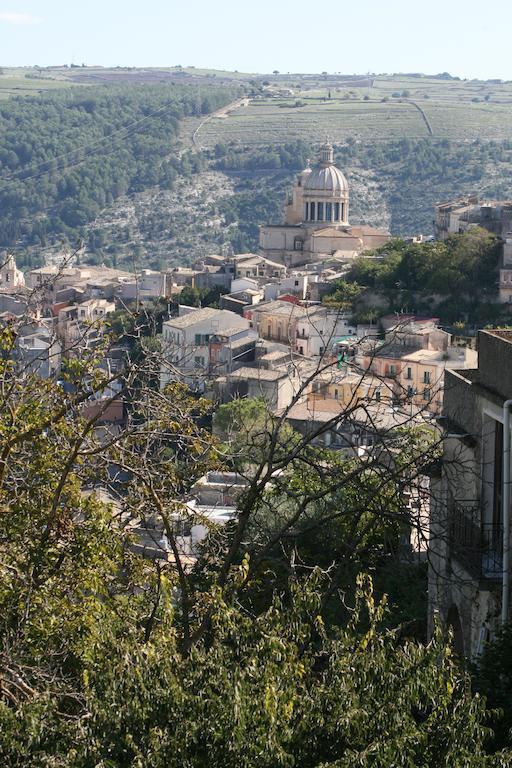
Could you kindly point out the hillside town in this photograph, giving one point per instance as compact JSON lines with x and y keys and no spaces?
{"x":350,"y":390}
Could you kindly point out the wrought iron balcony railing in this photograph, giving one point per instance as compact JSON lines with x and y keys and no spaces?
{"x":478,"y":547}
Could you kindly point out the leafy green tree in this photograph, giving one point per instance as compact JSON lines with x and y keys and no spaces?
{"x":462,"y":268}
{"x":111,"y":659}
{"x":344,"y":295}
{"x":492,"y":678}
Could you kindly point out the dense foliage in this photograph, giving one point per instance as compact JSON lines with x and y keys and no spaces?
{"x":199,"y":297}
{"x":292,"y":155}
{"x":493,"y":679}
{"x":456,"y":278}
{"x":66,"y":155}
{"x":110,"y":660}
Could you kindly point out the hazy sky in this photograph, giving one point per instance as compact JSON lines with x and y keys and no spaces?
{"x":469,"y":39}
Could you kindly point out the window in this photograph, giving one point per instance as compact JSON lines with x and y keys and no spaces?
{"x":426,"y":377}
{"x":410,"y":391}
{"x":197,"y":339}
{"x":321,"y":350}
{"x":392,"y":370}
{"x":328,"y":211}
{"x":426,"y":394}
{"x":306,"y":211}
{"x":199,"y":360}
{"x":409,"y":373}
{"x":343,"y":211}
{"x":311,"y":211}
{"x":336,"y":394}
{"x":320,"y":211}
{"x":377,"y":395}
{"x":298,"y":244}
{"x":336,"y":211}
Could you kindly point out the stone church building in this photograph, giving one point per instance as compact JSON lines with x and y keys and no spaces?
{"x":316,"y":224}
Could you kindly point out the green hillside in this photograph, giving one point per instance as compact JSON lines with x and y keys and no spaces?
{"x":154,"y":163}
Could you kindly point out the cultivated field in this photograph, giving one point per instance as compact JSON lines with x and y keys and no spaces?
{"x":384,"y":108}
{"x":15,"y":82}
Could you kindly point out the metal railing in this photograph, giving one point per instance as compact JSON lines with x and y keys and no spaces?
{"x":478,"y":547}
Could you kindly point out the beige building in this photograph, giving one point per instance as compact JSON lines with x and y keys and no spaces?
{"x":458,"y":216}
{"x":344,"y":386}
{"x":421,"y":377}
{"x":316,"y":224}
{"x":276,"y":320}
{"x":277,"y":387}
{"x":81,"y":326}
{"x":10,"y":276}
{"x":412,"y":360}
{"x":186,"y":343}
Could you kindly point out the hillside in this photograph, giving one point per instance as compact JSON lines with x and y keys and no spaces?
{"x":149,"y":164}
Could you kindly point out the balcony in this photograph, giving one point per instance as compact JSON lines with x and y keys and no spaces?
{"x":477,"y":547}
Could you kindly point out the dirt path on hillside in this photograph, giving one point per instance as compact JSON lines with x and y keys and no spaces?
{"x":222,"y":112}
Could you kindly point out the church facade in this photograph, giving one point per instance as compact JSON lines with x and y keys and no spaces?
{"x":316,"y":225}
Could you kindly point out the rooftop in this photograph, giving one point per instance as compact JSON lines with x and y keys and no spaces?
{"x":235,"y":330}
{"x":393,"y":351}
{"x":279,"y":307}
{"x":276,"y":354}
{"x":374,"y":416}
{"x":258,"y":374}
{"x":199,"y":316}
{"x":315,"y":410}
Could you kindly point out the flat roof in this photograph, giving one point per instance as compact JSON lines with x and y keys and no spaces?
{"x":279,"y":307}
{"x":259,"y":374}
{"x":199,"y":316}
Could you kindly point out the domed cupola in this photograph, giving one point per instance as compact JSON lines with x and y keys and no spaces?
{"x":304,"y":175}
{"x":326,"y":192}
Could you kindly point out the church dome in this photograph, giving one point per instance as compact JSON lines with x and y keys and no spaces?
{"x":325,"y":194}
{"x":328,"y":180}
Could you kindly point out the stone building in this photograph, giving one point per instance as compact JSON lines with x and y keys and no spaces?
{"x":10,"y":276}
{"x":457,"y":216}
{"x":468,"y":574}
{"x":412,"y":360}
{"x":316,"y":223}
{"x":186,"y":343}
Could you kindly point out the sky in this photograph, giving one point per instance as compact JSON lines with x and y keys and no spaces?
{"x":468,"y":39}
